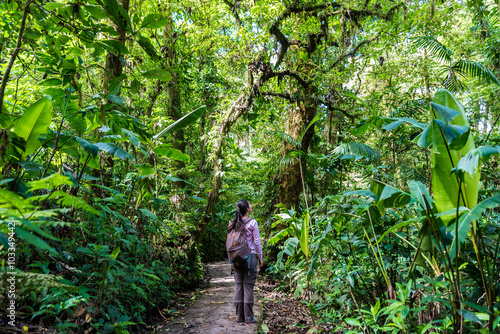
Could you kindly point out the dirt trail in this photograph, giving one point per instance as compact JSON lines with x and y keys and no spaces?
{"x":214,"y":312}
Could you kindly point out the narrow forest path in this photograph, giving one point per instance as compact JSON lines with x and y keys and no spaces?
{"x":214,"y":311}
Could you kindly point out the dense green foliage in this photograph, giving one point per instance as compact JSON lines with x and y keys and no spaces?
{"x":365,"y":134}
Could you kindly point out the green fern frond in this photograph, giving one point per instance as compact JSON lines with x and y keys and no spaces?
{"x":431,"y":44}
{"x":286,"y":138}
{"x":355,"y":148}
{"x":476,"y":70}
{"x":27,"y":282}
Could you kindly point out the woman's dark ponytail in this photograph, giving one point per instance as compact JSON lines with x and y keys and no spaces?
{"x":237,"y":221}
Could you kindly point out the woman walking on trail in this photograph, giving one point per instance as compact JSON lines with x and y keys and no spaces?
{"x":245,"y":276}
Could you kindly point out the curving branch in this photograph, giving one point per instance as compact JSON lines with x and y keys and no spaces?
{"x":355,"y":49}
{"x":294,"y":75}
{"x":6,"y":74}
{"x":292,"y":98}
{"x":314,"y":40}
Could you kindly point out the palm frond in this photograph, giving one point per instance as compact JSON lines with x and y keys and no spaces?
{"x":487,"y":13}
{"x":293,"y":156}
{"x":355,"y":148}
{"x":286,"y":138}
{"x":476,"y":70}
{"x":410,"y":109}
{"x":452,"y":82}
{"x":286,"y":161}
{"x":311,"y":157}
{"x":411,"y":173}
{"x":431,"y":44}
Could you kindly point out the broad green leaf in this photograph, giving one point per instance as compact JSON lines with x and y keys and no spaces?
{"x":182,"y":122}
{"x":304,"y":235}
{"x":117,"y":14}
{"x":38,"y":230}
{"x":34,"y":121}
{"x":145,"y":169}
{"x":116,"y":46}
{"x":400,"y":120}
{"x":157,"y":74}
{"x":419,"y":191}
{"x":171,"y":153}
{"x":115,"y":252}
{"x":399,"y":226}
{"x":50,"y":182}
{"x":437,"y":132}
{"x":146,"y":45}
{"x":114,"y":150}
{"x":53,"y":5}
{"x":32,"y":239}
{"x":132,"y":137}
{"x":153,"y":21}
{"x":393,"y":125}
{"x":176,"y":179}
{"x":117,"y":99}
{"x":51,"y":82}
{"x":445,"y":113}
{"x":149,"y":214}
{"x":14,"y":200}
{"x":366,"y":193}
{"x":465,"y":221}
{"x":392,"y":198}
{"x":445,"y":183}
{"x":470,"y":163}
{"x":134,"y":86}
{"x":471,"y":316}
{"x":88,"y":147}
{"x":96,"y":12}
{"x":353,"y":322}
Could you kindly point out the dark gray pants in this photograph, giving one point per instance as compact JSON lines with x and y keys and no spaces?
{"x":244,"y":281}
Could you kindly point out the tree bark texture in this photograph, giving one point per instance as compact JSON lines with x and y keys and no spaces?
{"x":290,"y":178}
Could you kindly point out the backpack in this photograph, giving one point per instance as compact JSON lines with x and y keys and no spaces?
{"x":238,"y":251}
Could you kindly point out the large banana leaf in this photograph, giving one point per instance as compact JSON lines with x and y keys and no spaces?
{"x":465,"y":221}
{"x":445,"y":156}
{"x":471,"y":162}
{"x":114,"y":150}
{"x":182,"y":122}
{"x":35,"y":121}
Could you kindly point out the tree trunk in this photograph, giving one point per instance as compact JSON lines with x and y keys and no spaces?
{"x":174,"y":92}
{"x":113,"y":66}
{"x":240,"y":105}
{"x":290,"y":178}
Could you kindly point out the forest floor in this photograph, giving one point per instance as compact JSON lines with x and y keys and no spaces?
{"x":214,"y":312}
{"x":277,"y":312}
